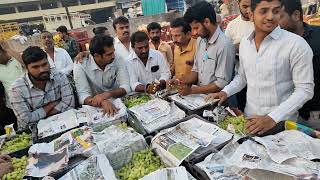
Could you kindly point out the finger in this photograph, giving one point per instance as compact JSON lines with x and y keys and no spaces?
{"x":210,"y":97}
{"x":257,"y":130}
{"x":222,"y":100}
{"x":2,"y":161}
{"x":252,"y":117}
{"x":5,"y":157}
{"x":251,"y":125}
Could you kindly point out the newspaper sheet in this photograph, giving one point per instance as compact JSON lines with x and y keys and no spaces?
{"x":192,"y":102}
{"x":176,"y":144}
{"x":152,"y":110}
{"x":119,"y":144}
{"x":96,"y":167}
{"x":177,"y":173}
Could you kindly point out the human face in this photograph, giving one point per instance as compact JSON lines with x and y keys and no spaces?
{"x":199,"y":29}
{"x":60,"y":34}
{"x":155,"y":35}
{"x":123,"y":31}
{"x":288,"y":22}
{"x":40,"y":70}
{"x":244,"y":6}
{"x":47,"y":40}
{"x":179,"y":37}
{"x":142,"y":49}
{"x":106,"y":58}
{"x":4,"y":57}
{"x":266,"y":16}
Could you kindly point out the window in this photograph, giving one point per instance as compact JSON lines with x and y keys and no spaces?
{"x":28,"y":7}
{"x":50,"y":5}
{"x":7,"y":10}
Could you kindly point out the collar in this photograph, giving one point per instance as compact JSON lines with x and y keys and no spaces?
{"x":307,"y":30}
{"x":275,"y":34}
{"x":150,"y":57}
{"x":29,"y":82}
{"x":215,"y":36}
{"x":189,"y":47}
{"x":117,"y":40}
{"x":94,"y":66}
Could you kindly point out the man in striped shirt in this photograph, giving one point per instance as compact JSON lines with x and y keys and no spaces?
{"x":40,"y":93}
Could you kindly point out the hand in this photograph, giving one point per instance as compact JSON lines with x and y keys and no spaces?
{"x":81,"y":57}
{"x":97,"y":99}
{"x":220,"y":95}
{"x":184,"y":90}
{"x":109,"y":108}
{"x":152,"y":88}
{"x":4,"y":45}
{"x":49,"y":107}
{"x":5,"y":168}
{"x":5,"y":158}
{"x":259,"y":124}
{"x":173,"y":83}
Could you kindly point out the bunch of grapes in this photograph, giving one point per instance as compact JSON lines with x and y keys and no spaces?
{"x":134,"y":101}
{"x":19,"y":166}
{"x":17,"y":143}
{"x":123,"y":125}
{"x":143,"y":163}
{"x":237,"y":122}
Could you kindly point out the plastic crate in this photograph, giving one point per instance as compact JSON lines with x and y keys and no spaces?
{"x":24,"y":151}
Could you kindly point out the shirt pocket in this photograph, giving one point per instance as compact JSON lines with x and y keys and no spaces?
{"x":109,"y":78}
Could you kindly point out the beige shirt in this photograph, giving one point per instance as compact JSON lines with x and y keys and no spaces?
{"x":165,"y":49}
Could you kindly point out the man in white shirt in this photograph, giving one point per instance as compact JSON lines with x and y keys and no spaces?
{"x":241,"y":26}
{"x":146,"y":66}
{"x":122,"y":41}
{"x":277,"y":68}
{"x":58,"y":58}
{"x":101,"y":77}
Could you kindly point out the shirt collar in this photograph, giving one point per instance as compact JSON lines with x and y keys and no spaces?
{"x":275,"y":34}
{"x":215,"y":36}
{"x":189,"y":47}
{"x":307,"y":30}
{"x":117,"y":40}
{"x":95,"y":67}
{"x":150,"y":57}
{"x":31,"y":85}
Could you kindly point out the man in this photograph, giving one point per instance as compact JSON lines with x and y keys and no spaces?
{"x":292,"y":20}
{"x":5,"y":165}
{"x":73,"y":47}
{"x":148,"y":70}
{"x":214,"y":59}
{"x":122,"y":41}
{"x":276,"y":66}
{"x":154,"y":31}
{"x":185,"y":48}
{"x":241,"y":26}
{"x":40,"y":93}
{"x":58,"y":58}
{"x":101,"y":77}
{"x":101,"y":30}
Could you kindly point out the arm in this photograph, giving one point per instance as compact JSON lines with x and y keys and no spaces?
{"x":164,"y":68}
{"x":81,"y":82}
{"x":12,"y":52}
{"x":210,"y":88}
{"x":169,"y":55}
{"x":134,"y":81}
{"x":67,"y":97}
{"x":302,"y":77}
{"x":68,"y":63}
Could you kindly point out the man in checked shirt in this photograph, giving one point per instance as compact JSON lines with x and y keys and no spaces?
{"x":40,"y":93}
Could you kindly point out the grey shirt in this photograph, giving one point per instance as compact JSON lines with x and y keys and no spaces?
{"x":90,"y":80}
{"x":214,"y":60}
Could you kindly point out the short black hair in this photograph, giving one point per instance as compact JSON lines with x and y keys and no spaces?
{"x":99,"y":30}
{"x":62,"y":29}
{"x":137,"y":37}
{"x":120,"y":20}
{"x":291,"y":6}
{"x":254,"y":3}
{"x":98,"y":43}
{"x":199,"y":12}
{"x":33,"y":54}
{"x":153,"y":26}
{"x":180,"y":22}
{"x":46,"y":32}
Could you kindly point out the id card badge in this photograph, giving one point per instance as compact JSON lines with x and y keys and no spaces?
{"x":206,"y":56}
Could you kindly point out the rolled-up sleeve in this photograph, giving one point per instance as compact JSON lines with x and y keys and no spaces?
{"x":81,"y":82}
{"x":302,"y":77}
{"x":67,"y":97}
{"x":123,"y":76}
{"x":164,"y":68}
{"x":25,"y":115}
{"x":134,"y":81}
{"x":225,"y":65}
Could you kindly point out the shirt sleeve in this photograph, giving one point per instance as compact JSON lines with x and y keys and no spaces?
{"x":239,"y":81}
{"x":225,"y":65}
{"x":68,"y":63}
{"x":164,"y":68}
{"x":195,"y":67}
{"x":22,"y":110}
{"x":134,"y":81}
{"x":81,"y":82}
{"x":302,"y":77}
{"x":122,"y":76}
{"x":67,"y":97}
{"x":169,"y":54}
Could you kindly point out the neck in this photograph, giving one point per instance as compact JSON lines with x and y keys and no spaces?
{"x":5,"y":61}
{"x":65,"y":37}
{"x":49,"y":50}
{"x":184,"y":46}
{"x":259,"y":37}
{"x":155,"y":42}
{"x":38,"y":84}
{"x":212,"y":29}
{"x":300,"y":29}
{"x":124,"y":40}
{"x":244,"y":18}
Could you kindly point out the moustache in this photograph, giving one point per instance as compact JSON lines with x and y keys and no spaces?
{"x":126,"y":33}
{"x":156,"y":38}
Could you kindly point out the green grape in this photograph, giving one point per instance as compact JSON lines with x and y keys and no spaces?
{"x":143,"y":163}
{"x":136,"y":100}
{"x":238,"y":123}
{"x":19,"y":168}
{"x":123,"y":125}
{"x":17,"y":143}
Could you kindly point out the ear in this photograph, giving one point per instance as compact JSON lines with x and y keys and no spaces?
{"x":97,"y":56}
{"x":296,"y":16}
{"x":206,"y":22}
{"x":251,"y":15}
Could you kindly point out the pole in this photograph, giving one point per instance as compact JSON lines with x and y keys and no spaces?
{"x":68,"y":13}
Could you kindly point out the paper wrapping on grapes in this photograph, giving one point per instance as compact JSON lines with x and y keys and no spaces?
{"x":175,"y":144}
{"x":119,"y":144}
{"x":96,"y":167}
{"x":254,"y":159}
{"x":191,"y":102}
{"x":157,"y":114}
{"x":177,"y":173}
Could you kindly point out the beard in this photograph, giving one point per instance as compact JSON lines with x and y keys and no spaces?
{"x":44,"y":76}
{"x":206,"y":33}
{"x":156,"y":39}
{"x":144,"y":55}
{"x":246,"y":16}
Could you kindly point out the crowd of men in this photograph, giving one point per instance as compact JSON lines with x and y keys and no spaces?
{"x":266,"y":63}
